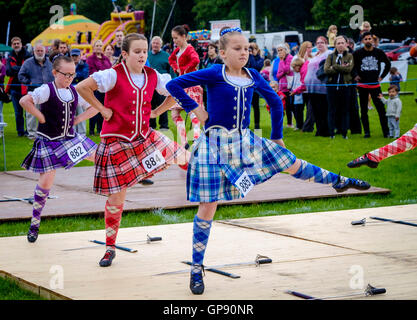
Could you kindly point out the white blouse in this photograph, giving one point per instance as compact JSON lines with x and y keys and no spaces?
{"x":41,"y":95}
{"x":106,"y":80}
{"x":239,"y":81}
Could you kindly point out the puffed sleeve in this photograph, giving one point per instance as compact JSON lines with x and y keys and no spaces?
{"x":40,"y":94}
{"x":163,"y":79}
{"x":105,"y":79}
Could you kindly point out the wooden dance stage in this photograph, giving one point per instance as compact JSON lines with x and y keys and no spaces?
{"x":319,"y":254}
{"x":75,"y":196}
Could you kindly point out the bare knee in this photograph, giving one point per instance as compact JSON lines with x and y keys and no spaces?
{"x":206,"y":210}
{"x":294,"y":168}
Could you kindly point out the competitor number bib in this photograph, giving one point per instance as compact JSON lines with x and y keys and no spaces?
{"x":77,"y":152}
{"x":154,"y":160}
{"x":244,"y":184}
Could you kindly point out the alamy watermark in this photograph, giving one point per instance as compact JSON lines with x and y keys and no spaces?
{"x":57,"y":21}
{"x":57,"y":279}
{"x":357,"y":20}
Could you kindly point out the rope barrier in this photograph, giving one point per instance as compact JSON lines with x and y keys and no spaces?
{"x":309,"y":84}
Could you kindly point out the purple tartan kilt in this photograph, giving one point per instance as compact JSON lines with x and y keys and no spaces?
{"x":47,"y":155}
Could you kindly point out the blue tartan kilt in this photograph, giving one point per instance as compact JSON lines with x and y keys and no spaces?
{"x":47,"y":155}
{"x":219,"y":158}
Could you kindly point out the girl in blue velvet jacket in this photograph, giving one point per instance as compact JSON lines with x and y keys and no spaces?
{"x":229,"y":159}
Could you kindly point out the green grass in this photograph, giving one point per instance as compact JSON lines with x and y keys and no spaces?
{"x":396,"y":173}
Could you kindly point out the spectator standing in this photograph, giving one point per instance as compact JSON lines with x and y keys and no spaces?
{"x":256,"y":62}
{"x":81,"y":73}
{"x":35,"y":71}
{"x":14,"y":86}
{"x":266,"y":70}
{"x":367,"y":63}
{"x":297,"y":88}
{"x":331,"y":35}
{"x":316,"y":89}
{"x":354,"y":120}
{"x":118,"y":37}
{"x":97,"y":62}
{"x":212,"y":57}
{"x":365,"y":27}
{"x":305,"y":53}
{"x":158,"y":60}
{"x":394,"y":107}
{"x":109,"y":53}
{"x":395,"y":78}
{"x":285,"y":76}
{"x":54,"y":49}
{"x":339,"y":67}
{"x":2,"y":76}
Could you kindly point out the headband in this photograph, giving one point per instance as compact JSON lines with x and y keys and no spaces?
{"x":230,"y":30}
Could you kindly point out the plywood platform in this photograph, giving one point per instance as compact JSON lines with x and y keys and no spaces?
{"x":75,"y":197}
{"x":320,"y":254}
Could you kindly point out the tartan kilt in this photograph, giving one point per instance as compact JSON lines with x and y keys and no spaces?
{"x":219,"y":159}
{"x":47,"y":155}
{"x":119,"y":162}
{"x":195,"y":93}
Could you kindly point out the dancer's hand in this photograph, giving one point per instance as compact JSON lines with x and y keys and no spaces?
{"x":41,"y":118}
{"x":153,"y":114}
{"x":106,"y":113}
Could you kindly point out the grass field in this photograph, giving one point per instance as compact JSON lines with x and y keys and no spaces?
{"x":396,"y":173}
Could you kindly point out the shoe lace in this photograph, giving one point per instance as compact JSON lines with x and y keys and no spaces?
{"x":107,"y":255}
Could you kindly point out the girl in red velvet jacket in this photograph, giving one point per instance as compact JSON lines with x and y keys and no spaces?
{"x":130,"y":150}
{"x":184,"y":59}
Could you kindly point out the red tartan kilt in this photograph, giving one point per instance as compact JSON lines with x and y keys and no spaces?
{"x":119,"y":162}
{"x":195,"y":93}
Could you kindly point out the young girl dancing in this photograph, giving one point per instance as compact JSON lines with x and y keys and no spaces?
{"x":130,"y":150}
{"x":57,"y":144}
{"x":184,"y":59}
{"x":228,"y":159}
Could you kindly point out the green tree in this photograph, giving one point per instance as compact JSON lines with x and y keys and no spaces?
{"x":181,"y":15}
{"x":97,"y":10}
{"x":10,"y":11}
{"x":36,"y":17}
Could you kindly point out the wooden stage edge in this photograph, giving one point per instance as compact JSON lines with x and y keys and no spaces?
{"x":32,"y":287}
{"x":75,"y":197}
{"x":195,"y":204}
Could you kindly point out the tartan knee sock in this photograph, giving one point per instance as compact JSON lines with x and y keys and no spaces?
{"x":39,"y":200}
{"x":196,"y":125}
{"x":112,"y":216}
{"x":407,"y":141}
{"x":308,"y":171}
{"x":201,"y":232}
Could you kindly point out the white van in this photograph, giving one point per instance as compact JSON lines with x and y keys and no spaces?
{"x":272,"y":39}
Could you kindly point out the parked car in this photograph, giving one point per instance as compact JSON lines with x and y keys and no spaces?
{"x":387,"y":47}
{"x":406,"y":56}
{"x":394,"y":54}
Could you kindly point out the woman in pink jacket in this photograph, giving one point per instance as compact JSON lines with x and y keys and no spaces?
{"x":284,"y":76}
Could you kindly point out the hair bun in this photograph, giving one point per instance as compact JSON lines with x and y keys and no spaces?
{"x":186,"y":27}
